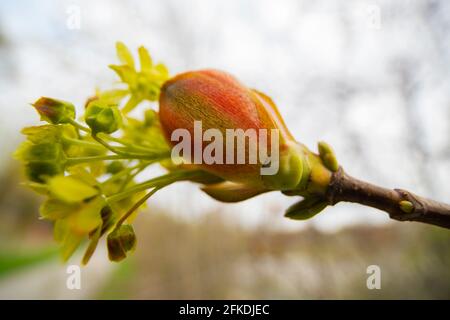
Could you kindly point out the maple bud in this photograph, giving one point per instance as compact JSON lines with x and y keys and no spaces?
{"x":54,"y":111}
{"x":101,"y":117}
{"x":219,"y":101}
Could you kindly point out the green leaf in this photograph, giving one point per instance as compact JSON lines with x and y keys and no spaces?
{"x":124,"y":54}
{"x":70,"y":189}
{"x":306,"y":208}
{"x":145,"y":59}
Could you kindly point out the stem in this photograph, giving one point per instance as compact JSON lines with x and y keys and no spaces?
{"x":118,"y":150}
{"x":79,"y":126}
{"x":157,"y":182}
{"x":73,"y":161}
{"x":109,"y":147}
{"x":78,"y":160}
{"x":125,"y":172}
{"x":128,"y":144}
{"x":132,"y":102}
{"x":82,"y":143}
{"x":130,"y":177}
{"x":346,"y":188}
{"x":135,"y":207}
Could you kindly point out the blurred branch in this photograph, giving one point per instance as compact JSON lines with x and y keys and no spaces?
{"x":346,"y":188}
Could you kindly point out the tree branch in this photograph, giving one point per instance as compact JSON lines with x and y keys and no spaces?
{"x":346,"y":188}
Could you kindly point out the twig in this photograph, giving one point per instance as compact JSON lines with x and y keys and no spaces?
{"x":346,"y":188}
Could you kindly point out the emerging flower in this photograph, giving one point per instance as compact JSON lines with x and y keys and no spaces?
{"x":101,"y":117}
{"x":221,"y":102}
{"x":55,"y":111}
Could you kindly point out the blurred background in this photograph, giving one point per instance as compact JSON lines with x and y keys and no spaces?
{"x":372,"y":78}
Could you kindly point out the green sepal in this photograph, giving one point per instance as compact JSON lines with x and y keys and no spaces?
{"x":306,"y":209}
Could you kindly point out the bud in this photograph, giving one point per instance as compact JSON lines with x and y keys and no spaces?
{"x":291,"y":167}
{"x":37,"y":170}
{"x":54,"y":111}
{"x":120,"y":241}
{"x":43,"y":152}
{"x":328,"y":157}
{"x":114,"y":167}
{"x":101,"y":117}
{"x":406,"y":206}
{"x":221,"y":102}
{"x":44,"y":159}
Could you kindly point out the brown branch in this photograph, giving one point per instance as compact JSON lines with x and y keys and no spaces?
{"x":346,"y":188}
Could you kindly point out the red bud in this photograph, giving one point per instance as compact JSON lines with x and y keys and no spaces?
{"x":219,"y":101}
